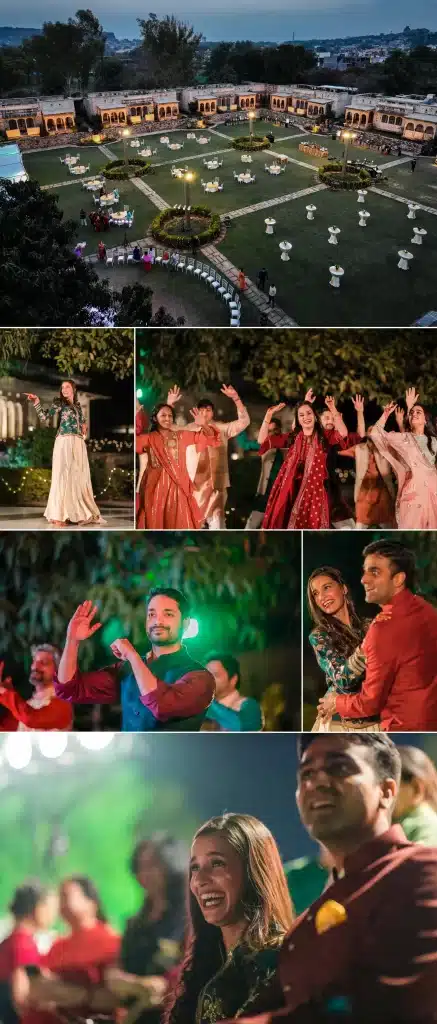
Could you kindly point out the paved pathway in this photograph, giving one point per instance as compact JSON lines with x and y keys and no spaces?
{"x":395,"y":163}
{"x":276,"y":315}
{"x":110,"y":155}
{"x":402,"y":199}
{"x":273,"y":202}
{"x":150,"y":193}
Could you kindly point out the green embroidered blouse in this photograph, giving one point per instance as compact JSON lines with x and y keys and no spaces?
{"x":343,"y":674}
{"x":71,"y":418}
{"x":245,"y":985}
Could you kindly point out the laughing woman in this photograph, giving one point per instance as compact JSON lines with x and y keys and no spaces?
{"x":412,"y":454}
{"x":239,"y":914}
{"x":336,"y":641}
{"x":71,"y":494}
{"x":299,"y":497}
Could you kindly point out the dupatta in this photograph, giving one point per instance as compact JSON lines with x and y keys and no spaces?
{"x":312,"y":484}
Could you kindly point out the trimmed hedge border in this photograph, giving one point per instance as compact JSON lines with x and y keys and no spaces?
{"x":251,"y":142}
{"x":332,"y":176}
{"x":116,"y":169}
{"x":157,"y":228}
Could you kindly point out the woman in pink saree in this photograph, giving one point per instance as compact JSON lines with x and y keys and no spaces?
{"x":165,"y":498}
{"x":299,"y":498}
{"x":412,"y":454}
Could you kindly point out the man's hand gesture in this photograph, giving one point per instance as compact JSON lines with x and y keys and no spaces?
{"x":5,"y":684}
{"x":81,"y":626}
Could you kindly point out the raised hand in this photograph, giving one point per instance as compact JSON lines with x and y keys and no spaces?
{"x":81,"y":626}
{"x":30,"y":397}
{"x":330,"y":404}
{"x":388,"y":409}
{"x":230,"y":392}
{"x":199,"y":416}
{"x":310,"y":396}
{"x":174,"y":395}
{"x":5,"y":684}
{"x":122,"y":649}
{"x":358,"y":403}
{"x":274,"y":409}
{"x":411,"y":397}
{"x":400,"y":416}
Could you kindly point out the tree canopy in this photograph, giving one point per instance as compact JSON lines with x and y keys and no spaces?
{"x":66,"y":53}
{"x":73,"y":351}
{"x":170,"y":47}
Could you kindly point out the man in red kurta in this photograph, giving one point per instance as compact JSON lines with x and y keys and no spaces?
{"x":43,"y":711}
{"x":400,"y":684}
{"x":365,"y":952}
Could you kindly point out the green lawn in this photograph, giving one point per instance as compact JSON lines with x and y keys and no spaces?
{"x":46,"y":166}
{"x":373,"y":291}
{"x":234,"y":195}
{"x":190,"y":146}
{"x":72,"y":198}
{"x":420,"y":186}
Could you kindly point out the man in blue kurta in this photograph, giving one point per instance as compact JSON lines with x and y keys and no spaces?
{"x":166,"y":690}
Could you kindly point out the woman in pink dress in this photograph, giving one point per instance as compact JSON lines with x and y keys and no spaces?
{"x":412,"y":454}
{"x":166,"y":500}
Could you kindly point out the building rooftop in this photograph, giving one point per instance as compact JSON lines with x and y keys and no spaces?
{"x":57,"y":105}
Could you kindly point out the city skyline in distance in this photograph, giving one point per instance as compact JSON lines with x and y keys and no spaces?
{"x":306,"y":19}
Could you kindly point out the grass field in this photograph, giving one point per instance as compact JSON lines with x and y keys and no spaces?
{"x":46,"y":166}
{"x":373,"y":292}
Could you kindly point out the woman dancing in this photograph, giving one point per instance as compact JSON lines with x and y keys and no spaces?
{"x":165,"y":498}
{"x":71,"y":494}
{"x":299,"y":496}
{"x":336,"y":641}
{"x":239,"y":913}
{"x":374,"y":490}
{"x":412,"y":454}
{"x":34,"y":909}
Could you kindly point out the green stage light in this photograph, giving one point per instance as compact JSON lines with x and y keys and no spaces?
{"x":192,"y":630}
{"x":140,"y":392}
{"x":113,"y":630}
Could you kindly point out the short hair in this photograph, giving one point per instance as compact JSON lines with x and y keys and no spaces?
{"x":175,"y":595}
{"x":230,"y":664}
{"x":48,"y":649}
{"x":276,"y":421}
{"x":205,"y":403}
{"x":26,"y":898}
{"x":401,"y":558}
{"x":386,"y":759}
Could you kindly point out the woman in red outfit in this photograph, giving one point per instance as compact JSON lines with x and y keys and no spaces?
{"x":34,"y":909}
{"x":165,"y":499}
{"x":74,"y":968}
{"x":299,"y":496}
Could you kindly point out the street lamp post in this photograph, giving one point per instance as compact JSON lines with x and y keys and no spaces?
{"x":125,"y":133}
{"x":251,"y":115}
{"x":188,"y":178}
{"x":346,"y":138}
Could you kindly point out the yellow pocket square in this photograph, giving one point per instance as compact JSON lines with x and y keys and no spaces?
{"x":329,"y":916}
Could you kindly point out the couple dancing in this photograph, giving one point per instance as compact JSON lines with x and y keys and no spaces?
{"x":184,"y":474}
{"x":249,"y":957}
{"x":381,"y":674}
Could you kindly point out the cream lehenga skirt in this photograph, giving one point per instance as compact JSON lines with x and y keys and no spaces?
{"x":71,"y":493}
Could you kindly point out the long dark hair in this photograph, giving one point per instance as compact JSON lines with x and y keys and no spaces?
{"x":417,"y":765}
{"x":163,"y":848}
{"x":154,"y":425}
{"x":64,"y":401}
{"x":90,"y":891}
{"x":297,"y":429}
{"x":267,"y":908}
{"x":344,"y":638}
{"x":429,"y":429}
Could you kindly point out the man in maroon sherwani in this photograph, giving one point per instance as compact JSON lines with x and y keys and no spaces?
{"x":366,"y":951}
{"x":400,"y":684}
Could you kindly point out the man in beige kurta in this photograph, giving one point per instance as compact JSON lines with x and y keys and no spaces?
{"x":211,"y":469}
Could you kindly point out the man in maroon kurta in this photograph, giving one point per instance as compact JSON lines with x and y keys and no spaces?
{"x":366,"y":951}
{"x":400,"y":684}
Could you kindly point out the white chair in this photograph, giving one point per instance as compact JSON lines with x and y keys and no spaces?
{"x":198,"y":270}
{"x":216,"y":283}
{"x":190,"y":266}
{"x":182,"y":263}
{"x":223,"y":288}
{"x":211,"y":276}
{"x":205,"y":272}
{"x":110,"y":259}
{"x":158,"y":256}
{"x":235,"y":318}
{"x":229,"y":295}
{"x":120,"y":258}
{"x":130,"y":257}
{"x":166,"y":262}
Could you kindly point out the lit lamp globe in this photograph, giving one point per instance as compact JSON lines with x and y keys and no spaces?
{"x":251,"y":115}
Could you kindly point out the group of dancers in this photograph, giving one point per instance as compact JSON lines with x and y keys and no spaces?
{"x":184,"y":475}
{"x":71,"y":499}
{"x":222,"y":941}
{"x":381,"y":671}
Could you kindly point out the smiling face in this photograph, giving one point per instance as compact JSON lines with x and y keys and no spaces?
{"x":338,"y":792}
{"x":417,"y":419}
{"x":42,"y":669}
{"x":67,"y":391}
{"x":217,"y":879}
{"x":380,"y":580}
{"x":306,"y":418}
{"x":327,"y":420}
{"x":328,"y":594}
{"x":208,"y":412}
{"x":164,"y":623}
{"x":165,"y":417}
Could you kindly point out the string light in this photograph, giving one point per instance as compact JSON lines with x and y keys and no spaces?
{"x":40,"y":478}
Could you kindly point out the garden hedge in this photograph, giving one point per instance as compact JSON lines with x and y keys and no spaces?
{"x":116,"y":170}
{"x":158,"y":231}
{"x":332,"y":175}
{"x":251,"y":142}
